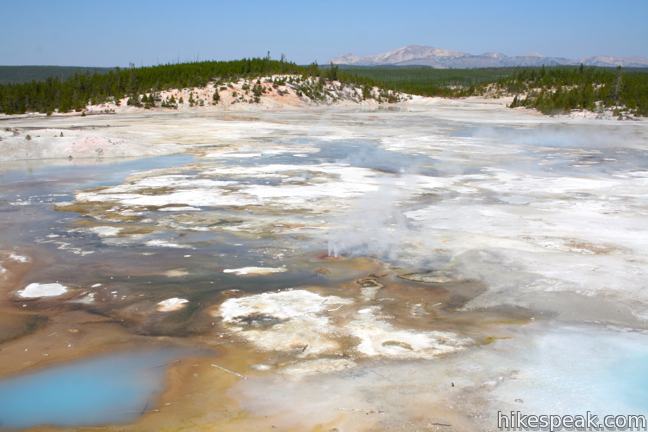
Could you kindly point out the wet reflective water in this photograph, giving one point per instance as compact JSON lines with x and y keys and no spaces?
{"x":30,"y":188}
{"x":578,"y":369}
{"x":110,"y":389}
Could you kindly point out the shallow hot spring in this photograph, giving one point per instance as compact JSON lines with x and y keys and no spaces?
{"x":116,"y":388}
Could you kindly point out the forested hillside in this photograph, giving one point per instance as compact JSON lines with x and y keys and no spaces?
{"x":561,"y":89}
{"x":25,"y":74}
{"x":550,"y":90}
{"x":427,"y":81}
{"x":75,"y":93}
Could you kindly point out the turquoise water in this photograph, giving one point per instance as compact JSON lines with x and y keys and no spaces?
{"x":110,"y":389}
{"x":629,"y":380}
{"x":577,"y":369}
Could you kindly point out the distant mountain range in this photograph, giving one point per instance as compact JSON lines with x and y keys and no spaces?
{"x":445,"y":59}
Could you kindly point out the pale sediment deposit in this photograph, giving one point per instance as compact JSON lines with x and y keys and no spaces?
{"x":248,"y":271}
{"x":171,"y":304}
{"x":37,"y":290}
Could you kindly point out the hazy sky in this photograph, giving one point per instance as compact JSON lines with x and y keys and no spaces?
{"x":115,"y":33}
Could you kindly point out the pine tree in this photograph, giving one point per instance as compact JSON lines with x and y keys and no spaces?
{"x":333,"y":72}
{"x":514,"y":103}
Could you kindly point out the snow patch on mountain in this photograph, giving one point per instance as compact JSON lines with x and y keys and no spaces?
{"x":446,"y":59}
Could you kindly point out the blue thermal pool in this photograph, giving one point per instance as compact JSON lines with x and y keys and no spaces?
{"x":116,"y":388}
